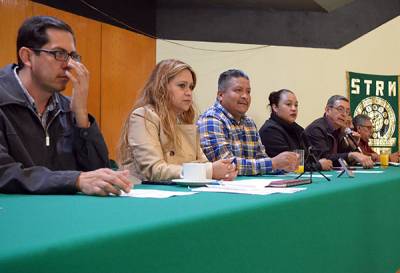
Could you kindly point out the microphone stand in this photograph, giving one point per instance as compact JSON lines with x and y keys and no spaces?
{"x":312,"y":161}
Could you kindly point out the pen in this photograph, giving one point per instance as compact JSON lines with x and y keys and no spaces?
{"x":218,"y":183}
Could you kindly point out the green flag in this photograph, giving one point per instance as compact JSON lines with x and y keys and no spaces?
{"x":377,"y":97}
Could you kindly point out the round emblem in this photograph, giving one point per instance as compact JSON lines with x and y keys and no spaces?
{"x":383,"y":119}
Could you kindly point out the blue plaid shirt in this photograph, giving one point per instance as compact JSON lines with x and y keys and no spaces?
{"x":221,"y":136}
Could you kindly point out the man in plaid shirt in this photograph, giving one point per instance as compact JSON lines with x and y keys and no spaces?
{"x":226,"y":132}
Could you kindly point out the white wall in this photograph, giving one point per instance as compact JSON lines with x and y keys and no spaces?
{"x":313,"y":74}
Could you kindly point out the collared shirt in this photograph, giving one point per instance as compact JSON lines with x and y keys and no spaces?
{"x":51,"y":105}
{"x":221,"y":136}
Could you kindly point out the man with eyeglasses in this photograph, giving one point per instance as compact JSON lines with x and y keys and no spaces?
{"x":363,"y":125}
{"x":49,"y":144}
{"x":325,"y":134}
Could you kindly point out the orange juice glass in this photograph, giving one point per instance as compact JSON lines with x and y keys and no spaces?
{"x":300,"y":168}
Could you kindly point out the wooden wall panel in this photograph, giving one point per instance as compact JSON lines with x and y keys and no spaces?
{"x":119,"y":61}
{"x":88,"y":43}
{"x":12,"y":14}
{"x":127,"y":60}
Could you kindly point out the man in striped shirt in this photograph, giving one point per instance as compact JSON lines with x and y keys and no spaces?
{"x":226,"y":131}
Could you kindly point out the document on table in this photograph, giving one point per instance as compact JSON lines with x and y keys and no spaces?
{"x":367,"y":171}
{"x":139,"y":193}
{"x":256,"y":190}
{"x":251,"y":183}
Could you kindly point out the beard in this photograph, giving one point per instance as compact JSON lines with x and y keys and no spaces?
{"x":55,"y":87}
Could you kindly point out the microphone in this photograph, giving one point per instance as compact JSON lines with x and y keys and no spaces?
{"x":305,"y":142}
{"x":349,"y":133}
{"x":311,"y":162}
{"x":310,"y":151}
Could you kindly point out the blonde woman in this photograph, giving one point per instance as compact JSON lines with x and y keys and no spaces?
{"x":160,"y":134}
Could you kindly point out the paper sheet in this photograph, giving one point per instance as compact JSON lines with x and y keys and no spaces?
{"x":139,"y":193}
{"x":361,"y":167}
{"x":254,"y":183}
{"x":367,"y":171}
{"x":246,"y":190}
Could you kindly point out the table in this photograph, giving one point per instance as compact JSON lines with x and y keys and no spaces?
{"x":346,"y":225}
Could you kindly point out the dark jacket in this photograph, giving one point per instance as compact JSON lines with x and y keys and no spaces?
{"x":279,"y":136}
{"x":30,"y":165}
{"x":322,"y":136}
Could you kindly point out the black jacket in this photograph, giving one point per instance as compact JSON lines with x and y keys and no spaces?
{"x":27,"y":163}
{"x":278,"y":136}
{"x":322,"y":137}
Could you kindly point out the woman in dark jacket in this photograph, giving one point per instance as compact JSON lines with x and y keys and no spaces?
{"x":280,"y":132}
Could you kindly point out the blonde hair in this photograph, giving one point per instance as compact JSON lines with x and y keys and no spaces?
{"x":155,"y":93}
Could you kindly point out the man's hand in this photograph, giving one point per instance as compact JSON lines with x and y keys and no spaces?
{"x":375,"y":157}
{"x":326,"y":164}
{"x":288,"y":161}
{"x":80,"y":90}
{"x":224,"y":169}
{"x":394,"y":157}
{"x":103,"y":182}
{"x":364,"y":160}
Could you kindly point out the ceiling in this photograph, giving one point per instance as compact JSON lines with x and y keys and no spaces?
{"x":304,"y":5}
{"x":288,"y":5}
{"x":301,"y":23}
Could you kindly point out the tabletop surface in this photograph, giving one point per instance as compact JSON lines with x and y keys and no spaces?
{"x":31,"y":223}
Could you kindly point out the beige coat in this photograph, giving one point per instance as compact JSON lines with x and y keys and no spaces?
{"x":151,"y":160}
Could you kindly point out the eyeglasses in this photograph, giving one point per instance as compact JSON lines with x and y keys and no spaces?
{"x":60,"y":55}
{"x":342,"y":110}
{"x":369,"y":127}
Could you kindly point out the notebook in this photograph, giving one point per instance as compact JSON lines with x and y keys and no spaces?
{"x":289,"y":182}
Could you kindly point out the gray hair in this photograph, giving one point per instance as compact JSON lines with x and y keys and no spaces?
{"x":225,"y":77}
{"x":360,"y":120}
{"x":334,"y":98}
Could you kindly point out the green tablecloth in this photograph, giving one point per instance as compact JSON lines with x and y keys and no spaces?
{"x":347,"y":225}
